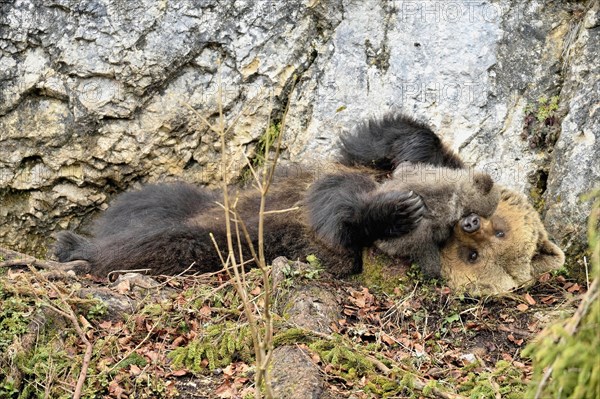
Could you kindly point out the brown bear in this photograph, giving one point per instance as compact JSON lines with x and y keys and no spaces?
{"x":165,"y":228}
{"x":508,"y":250}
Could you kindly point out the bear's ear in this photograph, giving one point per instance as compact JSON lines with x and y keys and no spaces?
{"x":548,"y":256}
{"x":483,"y":182}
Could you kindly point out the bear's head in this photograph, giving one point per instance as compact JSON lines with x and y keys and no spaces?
{"x":497,"y":254}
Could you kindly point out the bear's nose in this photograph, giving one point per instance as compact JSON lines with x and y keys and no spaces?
{"x":471,"y":223}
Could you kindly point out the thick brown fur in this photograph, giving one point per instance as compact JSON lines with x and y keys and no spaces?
{"x":165,"y":228}
{"x":510,"y":249}
{"x":449,"y":195}
{"x":386,"y":142}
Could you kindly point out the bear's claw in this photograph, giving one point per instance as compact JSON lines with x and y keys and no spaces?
{"x":392,"y":214}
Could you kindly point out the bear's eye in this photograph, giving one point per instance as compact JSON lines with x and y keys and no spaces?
{"x":499,"y":233}
{"x":472,"y":255}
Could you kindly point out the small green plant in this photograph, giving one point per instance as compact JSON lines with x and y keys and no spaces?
{"x":8,"y":388}
{"x":350,"y":363}
{"x":505,"y":380}
{"x":97,"y":310}
{"x":380,"y":277}
{"x":309,"y":273}
{"x":542,"y":123}
{"x":314,"y":261}
{"x":546,"y":108}
{"x":13,"y":319}
{"x":217,"y":347}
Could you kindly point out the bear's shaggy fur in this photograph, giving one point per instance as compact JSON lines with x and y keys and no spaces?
{"x":484,"y":255}
{"x":385,"y":143}
{"x":450,"y":195}
{"x":447,"y":196}
{"x":165,"y":228}
{"x":508,"y":250}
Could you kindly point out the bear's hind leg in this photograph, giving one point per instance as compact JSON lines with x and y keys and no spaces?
{"x":385,"y":143}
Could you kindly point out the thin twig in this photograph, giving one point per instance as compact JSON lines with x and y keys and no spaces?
{"x":587,"y":274}
{"x":69,"y":314}
{"x":113,"y":272}
{"x":14,"y":258}
{"x":253,"y":171}
{"x":211,"y":127}
{"x":273,"y":212}
{"x":167,"y":281}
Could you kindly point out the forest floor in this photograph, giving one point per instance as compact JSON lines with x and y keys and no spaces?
{"x":187,"y":336}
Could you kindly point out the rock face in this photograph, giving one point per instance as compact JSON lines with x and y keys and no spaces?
{"x":95,"y":96}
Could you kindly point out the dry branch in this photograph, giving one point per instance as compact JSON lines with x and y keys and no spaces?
{"x":14,"y":258}
{"x":67,"y":311}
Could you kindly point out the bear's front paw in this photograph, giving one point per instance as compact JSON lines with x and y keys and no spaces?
{"x":408,"y":212}
{"x":393,"y":214}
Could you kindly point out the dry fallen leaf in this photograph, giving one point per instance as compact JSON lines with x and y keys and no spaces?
{"x":105,"y":325}
{"x":514,"y":340}
{"x":177,"y":342}
{"x":315,"y":357}
{"x":115,"y":389}
{"x":574,"y":288}
{"x":387,"y":339}
{"x":123,"y":287}
{"x":522,"y":307}
{"x":529,"y":299}
{"x":226,"y":390}
{"x":205,"y":311}
{"x":134,"y":370}
{"x":545,"y":277}
{"x":229,"y":370}
{"x":548,"y":300}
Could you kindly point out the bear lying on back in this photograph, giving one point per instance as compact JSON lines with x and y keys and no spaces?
{"x":165,"y":228}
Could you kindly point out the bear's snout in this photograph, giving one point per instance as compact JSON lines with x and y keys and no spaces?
{"x":471,"y":223}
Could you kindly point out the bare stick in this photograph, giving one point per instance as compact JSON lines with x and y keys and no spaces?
{"x":271,"y":170}
{"x":69,"y":314}
{"x":241,"y":289}
{"x":295,"y":208}
{"x":587,"y":274}
{"x":14,"y":258}
{"x":211,"y":127}
{"x":167,"y":281}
